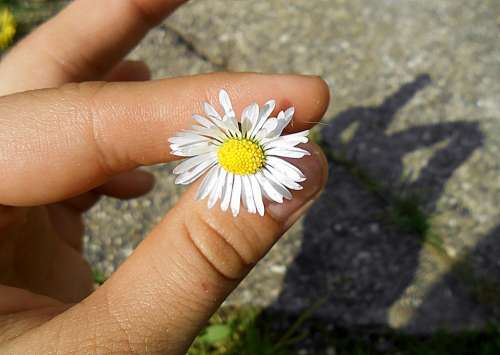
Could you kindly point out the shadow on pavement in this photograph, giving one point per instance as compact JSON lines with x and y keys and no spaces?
{"x":350,"y":255}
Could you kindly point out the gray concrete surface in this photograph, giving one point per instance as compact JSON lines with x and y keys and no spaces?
{"x":416,"y":98}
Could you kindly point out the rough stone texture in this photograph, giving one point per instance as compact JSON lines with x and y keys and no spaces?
{"x":416,"y":104}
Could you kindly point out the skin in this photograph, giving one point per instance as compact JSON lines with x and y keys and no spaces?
{"x":67,"y":139}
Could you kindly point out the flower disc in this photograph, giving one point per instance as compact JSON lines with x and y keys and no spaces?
{"x":241,"y":156}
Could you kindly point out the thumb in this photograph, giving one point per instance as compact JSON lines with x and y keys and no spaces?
{"x":169,"y":287}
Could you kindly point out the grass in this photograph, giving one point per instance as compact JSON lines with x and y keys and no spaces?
{"x":238,"y":331}
{"x":249,"y":332}
{"x":98,"y":277}
{"x":405,"y":212}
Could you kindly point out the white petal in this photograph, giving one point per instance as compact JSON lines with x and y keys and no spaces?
{"x":257,"y":194}
{"x":214,"y":132}
{"x":268,"y":188}
{"x":187,"y":134}
{"x":213,"y":190}
{"x":263,"y":115}
{"x":180,"y":141}
{"x":289,"y":140}
{"x":225,"y":102}
{"x":192,"y":150}
{"x":208,"y":183}
{"x":248,"y":194}
{"x":267,"y":109}
{"x":228,"y":125}
{"x":217,"y":191}
{"x":185,"y":144}
{"x":277,"y":184}
{"x":268,"y":126}
{"x":232,"y":125}
{"x":283,"y":121}
{"x":190,"y":176}
{"x":183,"y":137}
{"x":286,"y":168}
{"x":289,"y":113}
{"x":236,"y":195}
{"x":288,"y":152}
{"x":190,"y":163}
{"x":225,"y":125}
{"x":249,"y":117}
{"x":222,"y":176}
{"x":192,"y":134}
{"x":297,"y":134}
{"x":282,"y":143}
{"x":203,"y":121}
{"x":226,"y":199}
{"x":211,"y":112}
{"x":283,"y":179}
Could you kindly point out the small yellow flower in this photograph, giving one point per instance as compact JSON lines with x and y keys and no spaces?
{"x":7,"y":27}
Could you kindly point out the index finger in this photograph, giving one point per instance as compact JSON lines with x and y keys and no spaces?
{"x":83,"y":42}
{"x":58,"y":143}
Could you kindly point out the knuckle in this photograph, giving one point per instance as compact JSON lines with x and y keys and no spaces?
{"x":96,"y":118}
{"x":216,"y":246}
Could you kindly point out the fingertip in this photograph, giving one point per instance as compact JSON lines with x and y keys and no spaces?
{"x":127,"y":185}
{"x":312,"y":100}
{"x":129,"y":70}
{"x":323,"y":99}
{"x":316,"y":164}
{"x":143,"y":179}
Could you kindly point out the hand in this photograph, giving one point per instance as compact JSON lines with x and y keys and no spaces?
{"x":63,"y":145}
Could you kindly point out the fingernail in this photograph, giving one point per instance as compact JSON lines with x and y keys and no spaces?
{"x":315,"y":168}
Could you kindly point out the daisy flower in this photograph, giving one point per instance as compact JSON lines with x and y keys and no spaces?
{"x":242,"y":159}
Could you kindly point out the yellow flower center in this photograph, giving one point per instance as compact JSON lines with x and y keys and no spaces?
{"x":241,"y":156}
